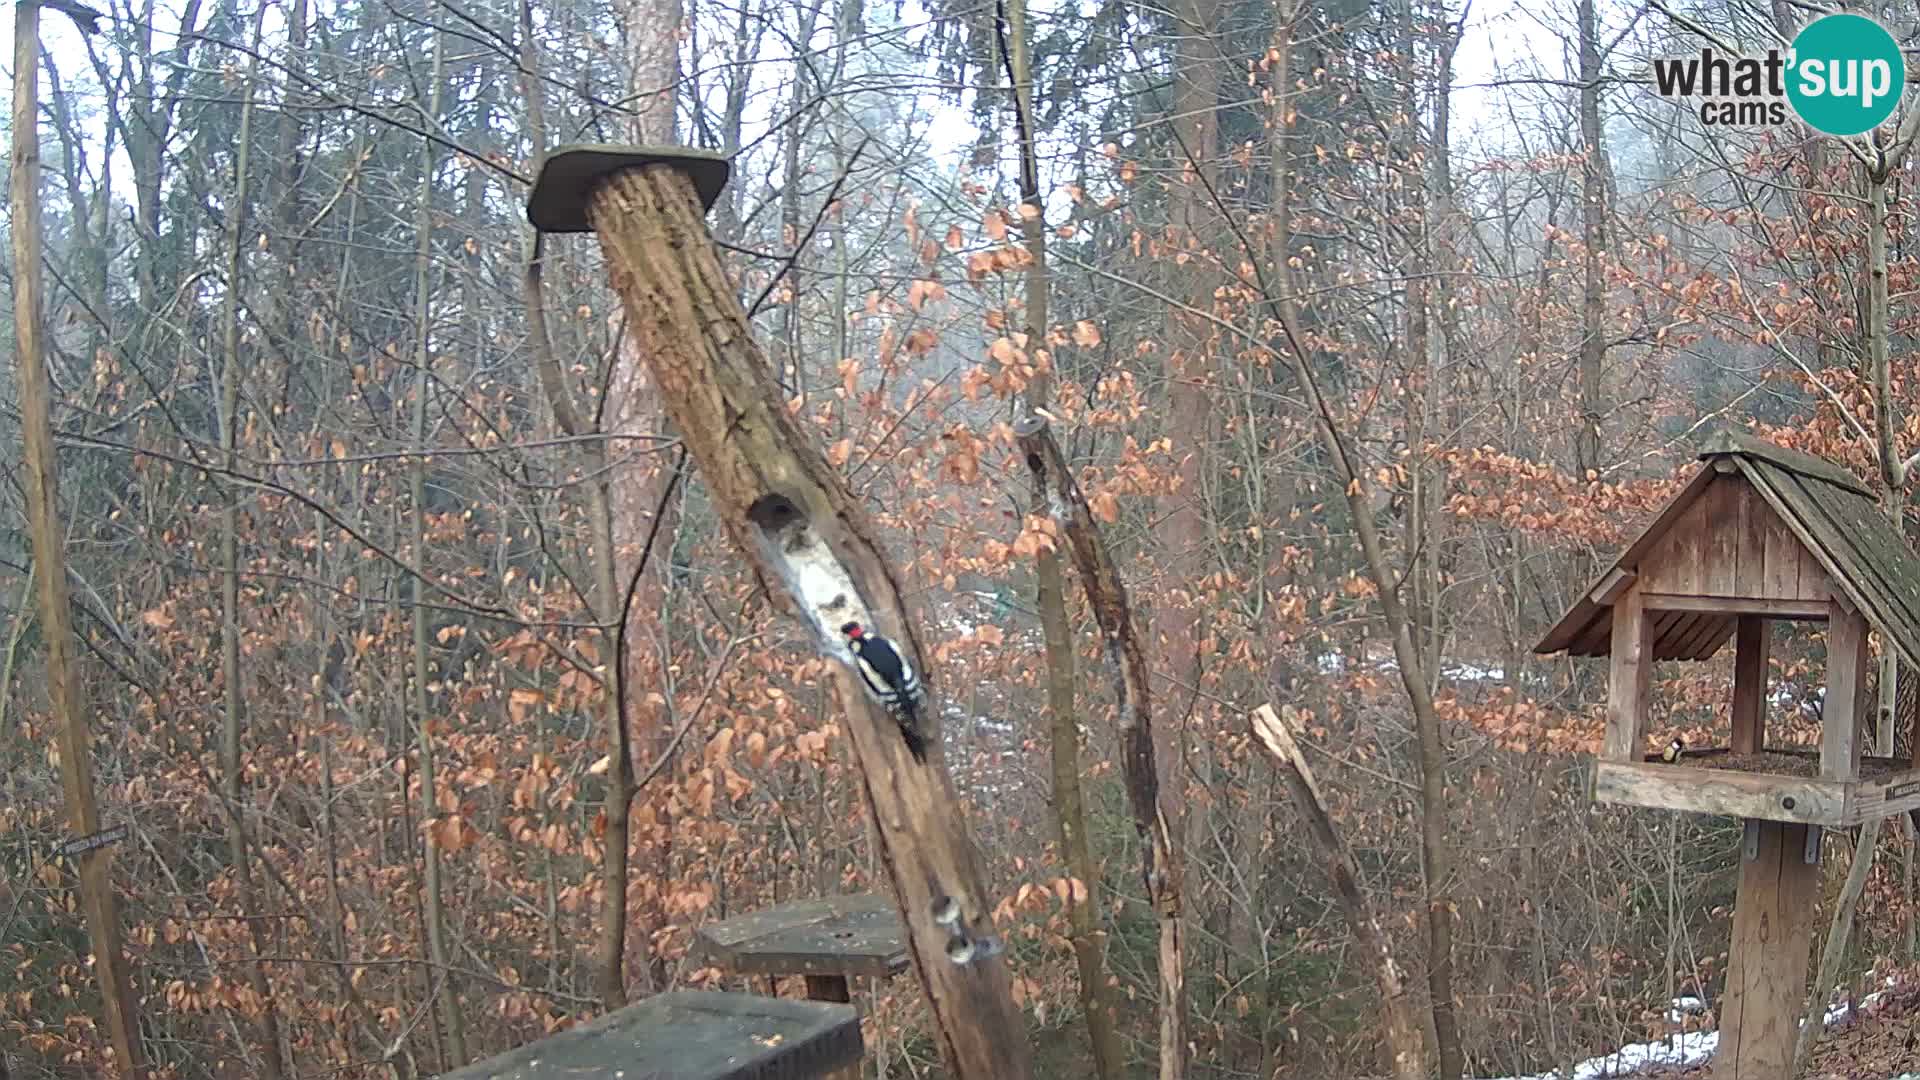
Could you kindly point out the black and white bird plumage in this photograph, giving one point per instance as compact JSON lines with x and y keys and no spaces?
{"x":891,"y":679}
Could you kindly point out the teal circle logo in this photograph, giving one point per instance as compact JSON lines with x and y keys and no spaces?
{"x":1846,"y":74}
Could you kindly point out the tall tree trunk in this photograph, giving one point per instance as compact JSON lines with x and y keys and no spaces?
{"x":1593,"y":209}
{"x":1176,"y":626}
{"x":1892,"y":470}
{"x":436,"y":915}
{"x":41,"y":481}
{"x":1084,"y":922}
{"x":1161,"y":855}
{"x":233,"y":784}
{"x":794,"y":284}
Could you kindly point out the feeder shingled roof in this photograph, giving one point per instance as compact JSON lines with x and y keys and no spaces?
{"x":1833,"y":515}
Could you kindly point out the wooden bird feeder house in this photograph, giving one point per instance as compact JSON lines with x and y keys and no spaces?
{"x":1759,"y":533}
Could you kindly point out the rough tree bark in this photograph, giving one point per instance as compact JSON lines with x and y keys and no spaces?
{"x":1127,"y":663}
{"x":1084,"y":923}
{"x":813,"y":545}
{"x":1405,"y":1039}
{"x":40,"y":478}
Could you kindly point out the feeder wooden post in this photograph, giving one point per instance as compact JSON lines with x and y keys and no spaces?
{"x":813,"y":546}
{"x":1846,"y":700}
{"x":1629,"y":676}
{"x":1750,"y":685}
{"x":1767,"y":960}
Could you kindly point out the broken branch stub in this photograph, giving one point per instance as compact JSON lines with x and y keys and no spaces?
{"x":1406,"y":1039}
{"x":813,"y":545}
{"x":1107,"y":596}
{"x":1127,"y":662}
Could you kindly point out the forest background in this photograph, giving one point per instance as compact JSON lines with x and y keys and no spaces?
{"x":348,"y":543}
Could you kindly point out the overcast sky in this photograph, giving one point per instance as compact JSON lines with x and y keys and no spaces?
{"x":1504,"y":38}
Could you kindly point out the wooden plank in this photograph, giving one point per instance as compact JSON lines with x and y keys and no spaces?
{"x":1720,"y":536}
{"x":1723,"y":792}
{"x":1815,"y":583}
{"x":1767,"y":960}
{"x":1677,"y":564}
{"x":1713,"y":632}
{"x":837,"y":936}
{"x":1783,"y":558}
{"x":1810,"y":610}
{"x":1578,"y":621}
{"x":1805,"y":610}
{"x":1630,"y":670}
{"x":1846,"y":699}
{"x":1696,"y":485}
{"x":1611,"y":585}
{"x":691,"y":1035}
{"x":1694,"y":631}
{"x":724,"y":935}
{"x":1896,"y":794}
{"x":1752,"y":639}
{"x":1729,"y":441}
{"x":1750,"y":552}
{"x":1597,"y":638}
{"x":1664,"y":642}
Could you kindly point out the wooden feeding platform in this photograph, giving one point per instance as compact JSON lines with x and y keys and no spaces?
{"x":1759,"y":533}
{"x":690,"y":1035}
{"x":827,"y":941}
{"x":1769,"y":785}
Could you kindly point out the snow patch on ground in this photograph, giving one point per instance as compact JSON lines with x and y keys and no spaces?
{"x":1689,"y":1048}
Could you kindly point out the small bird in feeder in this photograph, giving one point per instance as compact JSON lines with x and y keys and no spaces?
{"x":1674,"y":749}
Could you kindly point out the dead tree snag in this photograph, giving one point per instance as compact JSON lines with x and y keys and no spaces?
{"x":812,"y":544}
{"x":1107,"y":596}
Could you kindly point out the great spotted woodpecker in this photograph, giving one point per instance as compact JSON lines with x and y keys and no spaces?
{"x":891,"y":679}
